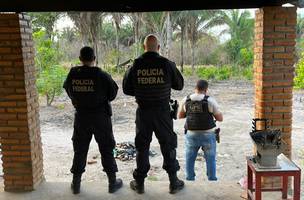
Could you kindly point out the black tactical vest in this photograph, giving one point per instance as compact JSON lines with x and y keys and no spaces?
{"x":85,"y":89}
{"x":198,"y":116}
{"x":152,"y":80}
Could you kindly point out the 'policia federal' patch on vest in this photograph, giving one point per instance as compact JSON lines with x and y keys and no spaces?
{"x":82,"y":85}
{"x":152,"y":76}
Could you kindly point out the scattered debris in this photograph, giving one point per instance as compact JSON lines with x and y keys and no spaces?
{"x":126,"y":151}
{"x":92,"y":162}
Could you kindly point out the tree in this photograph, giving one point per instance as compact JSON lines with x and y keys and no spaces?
{"x":117,"y":18}
{"x":299,"y":78}
{"x":239,"y":27}
{"x":169,"y":32}
{"x":300,"y":27}
{"x":89,"y":26}
{"x":156,"y":23}
{"x":137,"y":19}
{"x":51,"y":75}
{"x":198,"y":24}
{"x":299,"y":38}
{"x":181,"y":22}
{"x":45,"y":20}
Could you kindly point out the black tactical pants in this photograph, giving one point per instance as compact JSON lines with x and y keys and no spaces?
{"x":99,"y":125}
{"x":155,"y":120}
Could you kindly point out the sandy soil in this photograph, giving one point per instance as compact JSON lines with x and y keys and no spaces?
{"x":236,"y":102}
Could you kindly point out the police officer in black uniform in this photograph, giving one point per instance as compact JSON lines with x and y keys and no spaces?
{"x":91,"y":90}
{"x":150,"y":80}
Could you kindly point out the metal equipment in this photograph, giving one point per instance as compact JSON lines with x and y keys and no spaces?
{"x":268,"y":144}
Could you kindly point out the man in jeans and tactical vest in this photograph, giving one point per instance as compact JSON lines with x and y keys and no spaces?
{"x":200,"y":110}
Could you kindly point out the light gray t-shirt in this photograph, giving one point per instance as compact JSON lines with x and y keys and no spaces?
{"x":212,"y":105}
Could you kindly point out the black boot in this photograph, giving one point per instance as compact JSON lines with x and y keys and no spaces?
{"x":114,"y":184}
{"x":175,"y":184}
{"x":75,"y":185}
{"x":137,"y":186}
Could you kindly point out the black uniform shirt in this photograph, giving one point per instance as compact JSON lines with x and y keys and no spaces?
{"x":90,"y":89}
{"x":150,"y":80}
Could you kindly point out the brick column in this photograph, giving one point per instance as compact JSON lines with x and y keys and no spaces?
{"x":274,"y":68}
{"x":19,"y":115}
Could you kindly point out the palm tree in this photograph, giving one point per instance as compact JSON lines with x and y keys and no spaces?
{"x":89,"y":25}
{"x":156,"y":23}
{"x":240,"y":28}
{"x":198,"y":23}
{"x":181,"y":23}
{"x":137,"y":19}
{"x":46,"y":20}
{"x":300,"y":27}
{"x":117,"y":18}
{"x":299,"y":38}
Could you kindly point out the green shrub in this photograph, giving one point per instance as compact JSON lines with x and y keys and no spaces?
{"x":206,"y":72}
{"x":299,"y":79}
{"x":224,"y":73}
{"x":246,"y":57}
{"x":50,"y":74}
{"x":187,"y":71}
{"x":216,"y":73}
{"x":50,"y":82}
{"x":247,"y":73}
{"x":115,"y":71}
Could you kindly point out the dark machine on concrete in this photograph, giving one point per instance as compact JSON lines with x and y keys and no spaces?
{"x":268,"y":144}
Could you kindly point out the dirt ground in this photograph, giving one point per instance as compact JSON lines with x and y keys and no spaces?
{"x":236,"y":102}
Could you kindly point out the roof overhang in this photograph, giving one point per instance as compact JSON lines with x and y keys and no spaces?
{"x":133,"y":5}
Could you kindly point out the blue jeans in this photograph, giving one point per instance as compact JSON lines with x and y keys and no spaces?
{"x":194,"y":140}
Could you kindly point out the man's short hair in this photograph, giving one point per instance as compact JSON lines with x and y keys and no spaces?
{"x":151,"y":45}
{"x":201,"y":85}
{"x":87,"y":54}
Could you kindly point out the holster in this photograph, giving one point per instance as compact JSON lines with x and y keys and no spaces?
{"x":217,"y":134}
{"x":173,"y":108}
{"x":109,"y":109}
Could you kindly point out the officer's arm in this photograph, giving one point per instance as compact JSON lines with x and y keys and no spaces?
{"x":67,"y":82}
{"x":127,"y":83}
{"x":112,"y":88}
{"x":177,"y":78}
{"x":182,"y":112}
{"x":181,"y":115}
{"x":218,"y":116}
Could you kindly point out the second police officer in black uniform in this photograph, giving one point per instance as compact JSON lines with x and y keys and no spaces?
{"x":150,"y":80}
{"x":91,"y":90}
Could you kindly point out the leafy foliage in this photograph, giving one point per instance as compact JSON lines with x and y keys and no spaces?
{"x":246,"y":57}
{"x":50,"y":82}
{"x":224,"y":73}
{"x":50,"y":74}
{"x":299,"y":79}
{"x":45,"y":21}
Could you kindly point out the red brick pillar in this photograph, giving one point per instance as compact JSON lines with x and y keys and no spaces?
{"x":19,"y":115}
{"x":274,"y":67}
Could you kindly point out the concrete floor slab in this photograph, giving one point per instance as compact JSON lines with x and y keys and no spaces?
{"x":154,"y":190}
